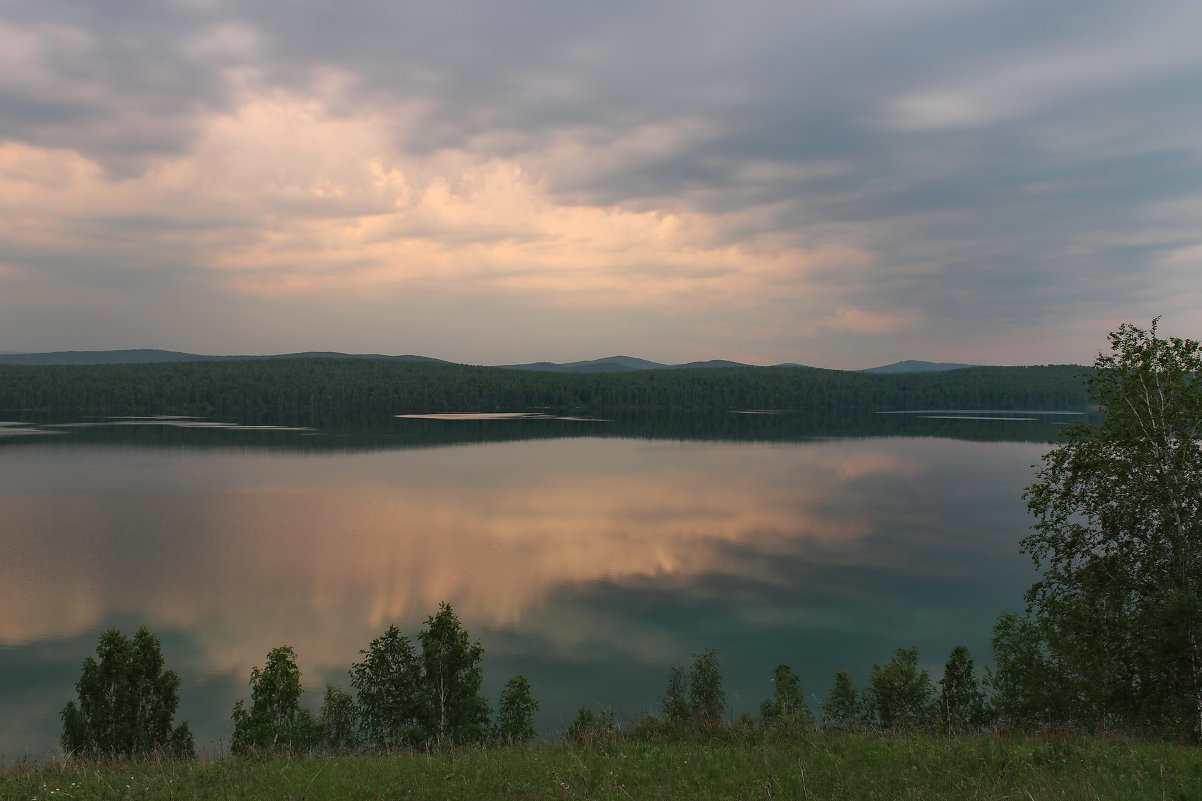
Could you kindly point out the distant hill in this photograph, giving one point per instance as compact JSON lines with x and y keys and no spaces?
{"x":616,"y":364}
{"x":151,"y":356}
{"x":608,"y":364}
{"x":710,"y":363}
{"x":912,"y":366}
{"x":139,"y":356}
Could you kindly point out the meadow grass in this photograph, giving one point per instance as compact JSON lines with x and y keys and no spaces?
{"x":813,"y":766}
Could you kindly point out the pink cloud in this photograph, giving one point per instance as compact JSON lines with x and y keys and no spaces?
{"x":282,"y":198}
{"x":862,"y":321}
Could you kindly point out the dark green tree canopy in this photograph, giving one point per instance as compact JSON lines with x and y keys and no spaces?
{"x":899,"y":694}
{"x":412,"y":699}
{"x":787,"y":707}
{"x":675,"y":703}
{"x":707,"y":699}
{"x":696,"y":698}
{"x":275,"y":721}
{"x":337,"y":723}
{"x":843,"y":707}
{"x":1027,"y":684}
{"x":391,"y":699}
{"x":455,"y":710}
{"x":1118,"y":537}
{"x":961,"y":704}
{"x":127,"y":702}
{"x":386,"y":386}
{"x":515,"y":715}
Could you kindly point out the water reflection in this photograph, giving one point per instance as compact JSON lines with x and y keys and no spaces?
{"x":587,"y":564}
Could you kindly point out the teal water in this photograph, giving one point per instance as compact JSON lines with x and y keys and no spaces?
{"x":588,"y":558}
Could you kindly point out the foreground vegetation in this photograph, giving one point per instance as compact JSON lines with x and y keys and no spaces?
{"x":1112,"y":633}
{"x":727,"y":765}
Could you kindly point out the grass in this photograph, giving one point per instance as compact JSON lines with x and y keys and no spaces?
{"x":817,"y":766}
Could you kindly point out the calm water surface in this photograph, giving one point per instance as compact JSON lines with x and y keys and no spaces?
{"x":588,"y":564}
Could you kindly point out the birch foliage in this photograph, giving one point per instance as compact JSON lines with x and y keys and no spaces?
{"x":1118,"y":536}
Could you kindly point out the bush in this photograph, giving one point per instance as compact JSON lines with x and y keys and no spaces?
{"x":591,"y":729}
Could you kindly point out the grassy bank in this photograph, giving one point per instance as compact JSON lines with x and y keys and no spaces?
{"x":819,"y":766}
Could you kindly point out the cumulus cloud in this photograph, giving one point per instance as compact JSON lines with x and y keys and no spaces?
{"x":280,"y":197}
{"x":842,"y":184}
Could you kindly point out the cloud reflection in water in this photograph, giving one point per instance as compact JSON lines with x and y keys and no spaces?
{"x":581,"y":551}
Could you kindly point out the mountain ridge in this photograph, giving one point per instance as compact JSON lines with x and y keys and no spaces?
{"x":606,"y":364}
{"x":157,"y":356}
{"x":915,"y":366}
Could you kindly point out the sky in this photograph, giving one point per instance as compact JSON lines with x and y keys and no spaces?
{"x":841,"y":184}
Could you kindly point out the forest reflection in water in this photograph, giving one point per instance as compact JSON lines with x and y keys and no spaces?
{"x":589,"y":564}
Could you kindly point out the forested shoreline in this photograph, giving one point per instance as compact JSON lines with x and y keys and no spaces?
{"x":326,"y":431}
{"x":381,"y":386}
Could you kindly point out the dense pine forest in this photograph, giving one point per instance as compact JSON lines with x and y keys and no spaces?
{"x":378,"y":386}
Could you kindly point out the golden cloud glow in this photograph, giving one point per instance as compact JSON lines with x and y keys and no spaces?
{"x":861,"y":321}
{"x":284,"y":198}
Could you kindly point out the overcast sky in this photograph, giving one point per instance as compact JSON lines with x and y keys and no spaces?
{"x":843,"y":184}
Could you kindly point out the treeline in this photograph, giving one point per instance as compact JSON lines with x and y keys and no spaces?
{"x":425,"y":695}
{"x":378,"y":386}
{"x":407,"y":696}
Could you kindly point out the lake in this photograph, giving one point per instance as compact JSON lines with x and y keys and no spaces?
{"x":588,"y":555}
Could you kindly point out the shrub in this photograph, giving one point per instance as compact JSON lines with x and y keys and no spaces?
{"x":592,"y":729}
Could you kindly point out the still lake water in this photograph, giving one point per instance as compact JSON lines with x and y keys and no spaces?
{"x":589,"y":562}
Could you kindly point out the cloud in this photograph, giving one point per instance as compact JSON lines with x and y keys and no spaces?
{"x":856,"y":320}
{"x":979,"y":167}
{"x":281,"y":197}
{"x":1116,"y":50}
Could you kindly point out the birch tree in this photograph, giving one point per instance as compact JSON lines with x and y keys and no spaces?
{"x":1118,"y":537}
{"x":126,"y":702}
{"x":452,"y":674}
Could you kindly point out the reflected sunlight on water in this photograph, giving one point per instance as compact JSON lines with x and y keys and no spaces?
{"x":571,"y":552}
